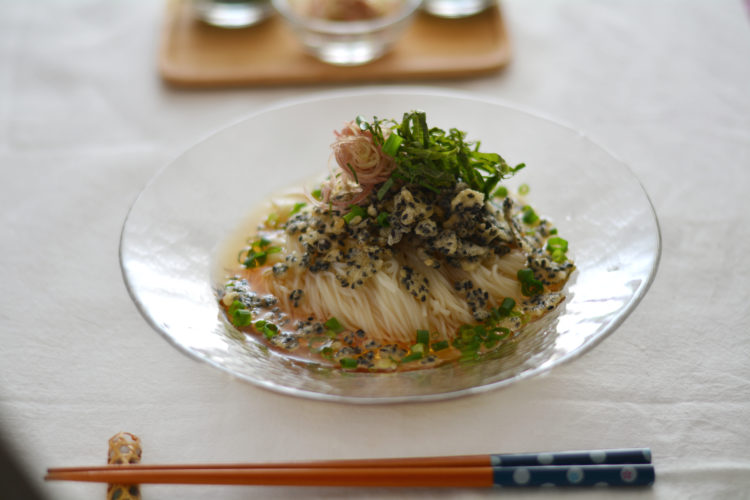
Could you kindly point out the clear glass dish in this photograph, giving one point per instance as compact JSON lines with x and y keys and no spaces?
{"x":456,"y":9}
{"x":172,"y":234}
{"x":232,"y":14}
{"x":348,"y":43}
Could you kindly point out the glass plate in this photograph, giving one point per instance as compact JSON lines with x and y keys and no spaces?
{"x":171,"y":236}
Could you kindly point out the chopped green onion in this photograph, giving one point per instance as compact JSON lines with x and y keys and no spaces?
{"x":356,"y":211}
{"x":492,"y":340}
{"x":530,"y":286}
{"x":501,"y":192}
{"x":334,"y":325}
{"x":414,"y":356}
{"x":495,"y":336}
{"x":242,"y":317}
{"x":235,"y":305}
{"x":439,"y":346}
{"x":390,"y":147}
{"x":384,"y":188}
{"x":418,"y":348}
{"x":523,"y":189}
{"x":506,"y":307}
{"x":423,"y":337}
{"x":258,"y":252}
{"x":471,"y":338}
{"x":480,"y":331}
{"x":382,"y":219}
{"x":469,"y":355}
{"x":466,"y":333}
{"x":297,"y":207}
{"x":317,"y":194}
{"x":504,"y":331}
{"x":267,"y":329}
{"x":529,"y":217}
{"x":348,"y":363}
{"x":255,"y":259}
{"x":553,"y":231}
{"x":557,"y":247}
{"x":239,"y":315}
{"x":557,"y":243}
{"x":559,"y":257}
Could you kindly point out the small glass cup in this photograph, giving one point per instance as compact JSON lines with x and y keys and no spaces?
{"x":348,"y":43}
{"x":454,"y":9}
{"x":232,"y":13}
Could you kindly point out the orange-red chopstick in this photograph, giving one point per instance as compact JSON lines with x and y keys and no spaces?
{"x":443,"y":461}
{"x":321,"y":476}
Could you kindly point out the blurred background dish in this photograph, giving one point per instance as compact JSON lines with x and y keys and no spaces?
{"x":194,"y":55}
{"x":347,"y":34}
{"x":456,"y":8}
{"x":232,"y":13}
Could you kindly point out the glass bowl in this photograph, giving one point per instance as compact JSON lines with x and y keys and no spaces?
{"x":348,"y":43}
{"x":456,"y":9}
{"x":178,"y":224}
{"x":232,"y":13}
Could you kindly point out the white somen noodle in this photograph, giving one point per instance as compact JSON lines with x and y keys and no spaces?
{"x":386,"y":310}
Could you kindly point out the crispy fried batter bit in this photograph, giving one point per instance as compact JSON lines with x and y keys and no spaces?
{"x":124,"y":448}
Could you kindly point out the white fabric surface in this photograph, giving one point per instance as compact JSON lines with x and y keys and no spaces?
{"x":85,"y":122}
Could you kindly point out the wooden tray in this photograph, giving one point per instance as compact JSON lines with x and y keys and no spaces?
{"x":194,"y":54}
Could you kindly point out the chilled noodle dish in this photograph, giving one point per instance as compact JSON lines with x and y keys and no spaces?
{"x":409,"y":254}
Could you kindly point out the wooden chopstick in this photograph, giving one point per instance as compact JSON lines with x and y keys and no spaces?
{"x":586,"y":457}
{"x":433,"y":477}
{"x":381,"y":476}
{"x":447,"y":461}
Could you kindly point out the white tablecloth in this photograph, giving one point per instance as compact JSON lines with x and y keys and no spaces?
{"x":85,"y":122}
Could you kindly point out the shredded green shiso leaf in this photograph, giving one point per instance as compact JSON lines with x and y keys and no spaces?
{"x":435,"y":159}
